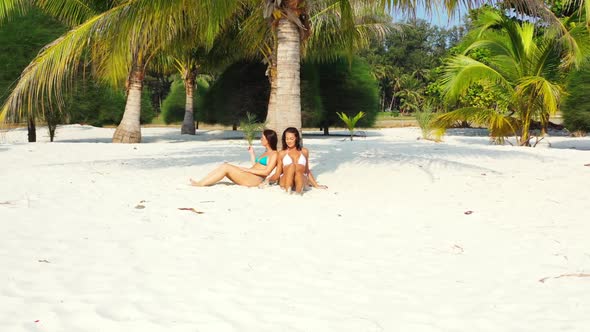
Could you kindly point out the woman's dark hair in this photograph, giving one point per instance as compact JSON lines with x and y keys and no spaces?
{"x":271,"y":138}
{"x":295,"y":132}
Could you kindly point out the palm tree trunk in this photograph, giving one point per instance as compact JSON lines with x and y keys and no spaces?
{"x":188,"y":125}
{"x":129,"y":130}
{"x":525,"y":134}
{"x":288,"y":95}
{"x":31,"y":129}
{"x":271,"y":115}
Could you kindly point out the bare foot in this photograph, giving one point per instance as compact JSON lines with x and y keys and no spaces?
{"x":195,"y":183}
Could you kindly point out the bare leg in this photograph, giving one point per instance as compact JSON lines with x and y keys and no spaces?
{"x":299,"y":178}
{"x":235,"y":174}
{"x":288,"y":177}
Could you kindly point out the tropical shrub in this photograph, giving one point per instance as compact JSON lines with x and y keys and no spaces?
{"x":341,"y":87}
{"x":576,"y":107}
{"x":350,"y":122}
{"x":174,"y":103}
{"x":524,"y":63}
{"x":424,"y":118}
{"x":242,"y":88}
{"x":250,"y":127}
{"x":21,"y":38}
{"x":97,"y":104}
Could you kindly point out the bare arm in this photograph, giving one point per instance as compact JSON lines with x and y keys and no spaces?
{"x":252,"y":156}
{"x":310,"y":176}
{"x":272,"y":162}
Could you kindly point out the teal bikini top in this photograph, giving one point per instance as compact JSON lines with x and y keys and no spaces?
{"x":263,"y":160}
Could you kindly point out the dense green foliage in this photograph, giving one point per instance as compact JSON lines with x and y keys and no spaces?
{"x":242,"y":88}
{"x":88,"y":102}
{"x":174,"y":104}
{"x":21,"y":38}
{"x":339,"y":87}
{"x":576,"y":108}
{"x":97,"y":104}
{"x":325,"y":90}
{"x":406,"y":63}
{"x":525,"y":66}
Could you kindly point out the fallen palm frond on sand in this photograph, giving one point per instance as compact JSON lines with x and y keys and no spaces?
{"x":579,"y":275}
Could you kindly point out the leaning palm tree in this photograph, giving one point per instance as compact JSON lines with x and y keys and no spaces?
{"x":120,"y":41}
{"x":525,"y":63}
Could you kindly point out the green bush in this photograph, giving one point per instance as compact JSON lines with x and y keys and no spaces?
{"x":97,"y":105}
{"x":242,"y":88}
{"x":340,"y":87}
{"x":325,"y":89}
{"x":173,"y":105}
{"x":576,"y":107}
{"x":21,"y":39}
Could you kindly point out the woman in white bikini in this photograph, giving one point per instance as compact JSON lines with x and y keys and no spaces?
{"x":244,"y":176}
{"x":293,"y":164}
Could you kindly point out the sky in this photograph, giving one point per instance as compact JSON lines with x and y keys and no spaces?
{"x":441,"y":19}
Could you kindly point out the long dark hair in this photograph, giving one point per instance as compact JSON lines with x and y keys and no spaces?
{"x":271,"y":138}
{"x":295,"y":132}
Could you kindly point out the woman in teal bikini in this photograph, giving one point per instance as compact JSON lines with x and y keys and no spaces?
{"x":244,"y":176}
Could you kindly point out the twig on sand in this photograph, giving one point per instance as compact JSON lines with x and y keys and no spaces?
{"x":192,"y":209}
{"x":5,"y":203}
{"x":579,"y":275}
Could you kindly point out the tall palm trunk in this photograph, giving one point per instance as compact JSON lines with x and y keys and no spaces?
{"x":31,"y":129}
{"x":271,"y":115}
{"x":526,"y":125}
{"x":188,"y":125}
{"x":288,"y":95}
{"x":129,"y":130}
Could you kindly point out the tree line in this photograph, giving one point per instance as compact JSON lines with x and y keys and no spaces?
{"x":294,"y":56}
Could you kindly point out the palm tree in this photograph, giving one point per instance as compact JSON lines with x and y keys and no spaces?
{"x":120,"y":41}
{"x":526,"y":64}
{"x":334,"y":35}
{"x":291,"y":20}
{"x":116,"y":41}
{"x":410,"y":94}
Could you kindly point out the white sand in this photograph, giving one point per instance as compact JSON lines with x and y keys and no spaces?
{"x":388,"y":247}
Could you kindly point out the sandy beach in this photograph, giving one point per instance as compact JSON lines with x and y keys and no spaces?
{"x":411,"y":235}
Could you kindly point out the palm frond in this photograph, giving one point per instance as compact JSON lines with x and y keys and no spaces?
{"x":50,"y":72}
{"x":8,"y":8}
{"x":69,"y":12}
{"x":499,"y":124}
{"x":548,"y":94}
{"x":331,"y":38}
{"x":462,"y":71}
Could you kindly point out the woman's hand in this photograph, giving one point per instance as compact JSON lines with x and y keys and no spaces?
{"x":321,"y":186}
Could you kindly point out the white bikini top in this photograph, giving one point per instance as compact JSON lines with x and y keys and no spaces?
{"x":288,"y":161}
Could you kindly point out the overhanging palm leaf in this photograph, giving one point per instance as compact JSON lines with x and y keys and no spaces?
{"x":126,"y":35}
{"x":51,"y":71}
{"x":10,"y":7}
{"x":462,"y":71}
{"x":500,"y":125}
{"x":548,"y":92}
{"x":70,"y":12}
